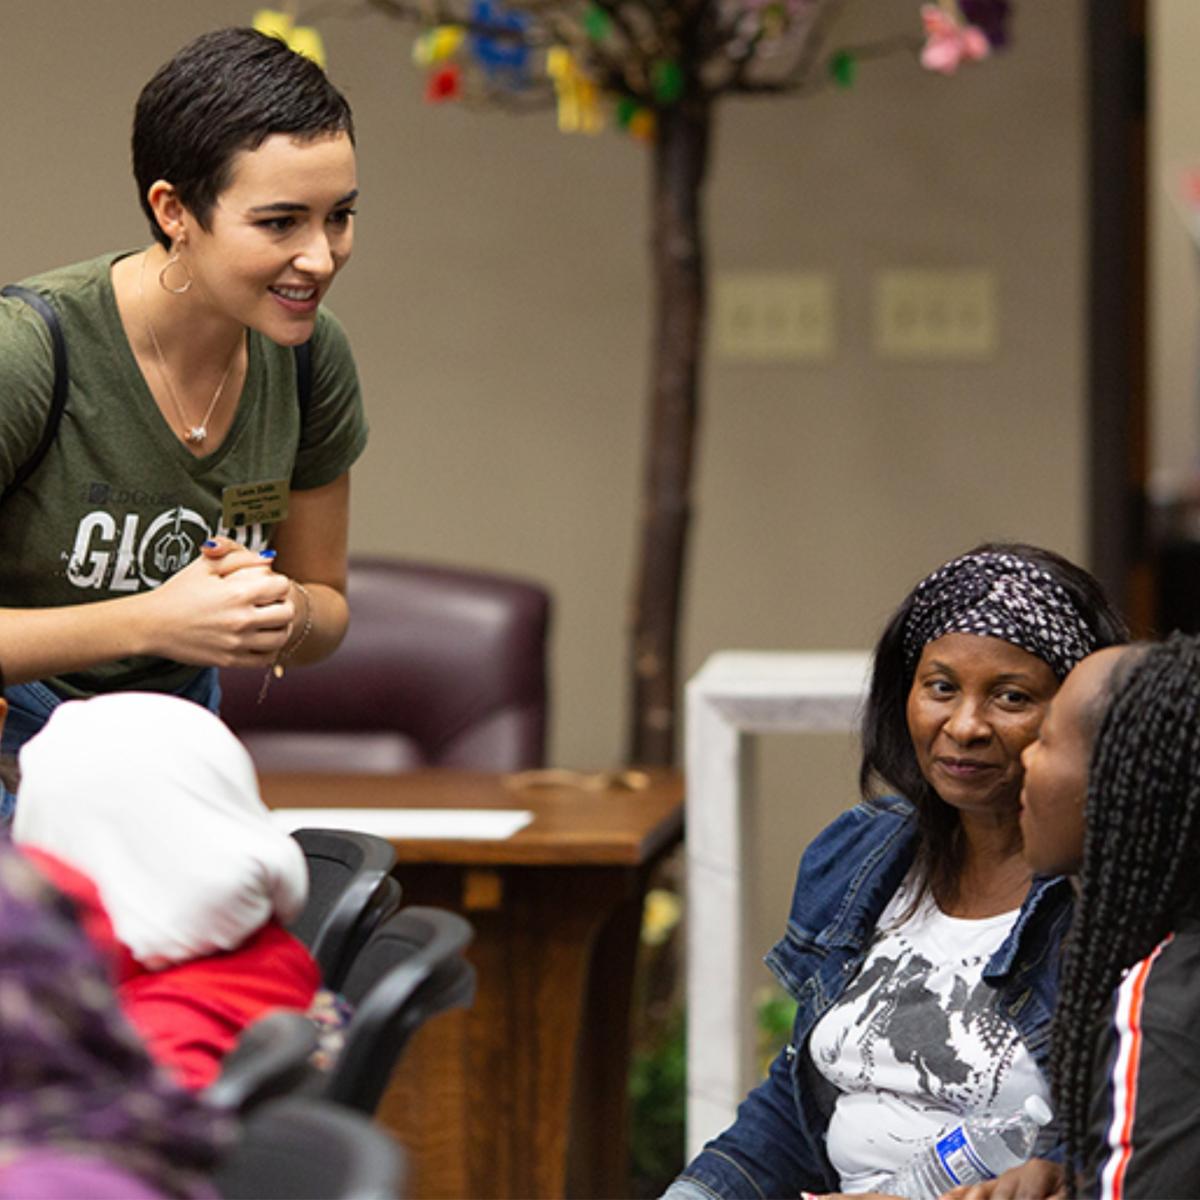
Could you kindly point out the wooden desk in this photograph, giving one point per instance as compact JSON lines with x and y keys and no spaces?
{"x":525,"y":1095}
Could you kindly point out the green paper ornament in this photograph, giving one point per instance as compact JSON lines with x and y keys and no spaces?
{"x":667,"y":79}
{"x":596,"y":23}
{"x":843,"y":67}
{"x":626,"y":110}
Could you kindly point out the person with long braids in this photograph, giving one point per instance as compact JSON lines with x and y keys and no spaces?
{"x":1112,"y":794}
{"x":920,"y":948}
{"x":188,"y":510}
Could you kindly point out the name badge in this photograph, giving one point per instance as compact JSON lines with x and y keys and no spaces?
{"x":254,"y":503}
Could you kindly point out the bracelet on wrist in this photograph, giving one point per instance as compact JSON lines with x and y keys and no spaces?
{"x":305,"y":629}
{"x":276,"y":669}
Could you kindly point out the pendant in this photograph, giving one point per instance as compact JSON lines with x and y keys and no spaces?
{"x":196,"y":435}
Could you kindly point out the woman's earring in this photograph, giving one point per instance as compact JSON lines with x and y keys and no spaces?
{"x":174,"y":261}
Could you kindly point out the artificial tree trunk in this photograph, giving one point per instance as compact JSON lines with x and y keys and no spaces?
{"x":680,"y":158}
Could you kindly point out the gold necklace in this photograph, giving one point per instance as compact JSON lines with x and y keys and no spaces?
{"x":194,"y":435}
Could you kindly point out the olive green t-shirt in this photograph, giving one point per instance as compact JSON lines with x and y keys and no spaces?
{"x":119,"y":504}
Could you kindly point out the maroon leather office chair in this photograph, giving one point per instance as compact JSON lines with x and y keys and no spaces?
{"x":441,"y":667}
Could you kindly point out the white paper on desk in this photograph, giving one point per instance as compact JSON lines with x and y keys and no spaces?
{"x":469,"y":824}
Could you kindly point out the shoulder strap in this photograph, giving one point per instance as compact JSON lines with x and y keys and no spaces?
{"x":58,"y":400}
{"x":304,"y":378}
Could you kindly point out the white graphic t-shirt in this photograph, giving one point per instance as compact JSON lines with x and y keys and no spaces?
{"x":918,"y":1041}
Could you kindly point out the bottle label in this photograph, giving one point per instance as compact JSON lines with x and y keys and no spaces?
{"x":959,"y":1159}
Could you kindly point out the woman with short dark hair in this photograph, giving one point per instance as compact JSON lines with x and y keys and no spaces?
{"x":920,"y":948}
{"x":190,"y":509}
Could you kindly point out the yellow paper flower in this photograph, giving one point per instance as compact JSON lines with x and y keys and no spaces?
{"x":660,"y":916}
{"x":578,"y":97}
{"x":437,"y":44}
{"x":303,"y":39}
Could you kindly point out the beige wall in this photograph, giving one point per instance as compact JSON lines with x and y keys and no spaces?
{"x":1174,"y":249}
{"x":498,"y":307}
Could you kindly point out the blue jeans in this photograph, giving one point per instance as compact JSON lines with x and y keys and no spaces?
{"x":30,"y":706}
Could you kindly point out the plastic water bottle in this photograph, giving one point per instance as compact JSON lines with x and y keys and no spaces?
{"x":980,"y":1148}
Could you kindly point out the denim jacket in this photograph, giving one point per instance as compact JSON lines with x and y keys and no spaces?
{"x":776,"y":1146}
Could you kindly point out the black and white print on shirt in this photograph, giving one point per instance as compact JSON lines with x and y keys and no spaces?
{"x":932,"y":1020}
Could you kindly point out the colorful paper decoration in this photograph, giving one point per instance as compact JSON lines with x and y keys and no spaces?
{"x":437,"y":44}
{"x":597,"y":24}
{"x":949,"y":40}
{"x":444,"y":84}
{"x":666,"y":77}
{"x":990,"y":17}
{"x":505,"y":57}
{"x":303,"y":39}
{"x":642,"y":125}
{"x":1183,"y":187}
{"x":578,"y":97}
{"x":956,"y":31}
{"x":843,"y":67}
{"x":634,"y":118}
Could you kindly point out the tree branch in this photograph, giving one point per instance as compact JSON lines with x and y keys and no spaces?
{"x":811,"y":82}
{"x":733,"y":68}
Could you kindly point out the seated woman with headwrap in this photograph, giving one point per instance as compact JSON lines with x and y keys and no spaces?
{"x":155,"y":801}
{"x":921,"y":949}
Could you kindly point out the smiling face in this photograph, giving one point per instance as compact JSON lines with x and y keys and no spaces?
{"x":278,"y":234}
{"x":974,"y":705}
{"x":1054,"y":796}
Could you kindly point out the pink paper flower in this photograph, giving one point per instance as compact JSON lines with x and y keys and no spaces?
{"x":949,"y":40}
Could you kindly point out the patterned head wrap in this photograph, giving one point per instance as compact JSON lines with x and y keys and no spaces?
{"x":74,"y":1078}
{"x":1004,"y":596}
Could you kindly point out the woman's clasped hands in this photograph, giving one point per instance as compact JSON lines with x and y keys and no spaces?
{"x":227,"y":608}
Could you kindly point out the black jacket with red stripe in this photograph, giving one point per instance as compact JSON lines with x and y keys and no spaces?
{"x":1144,"y":1120}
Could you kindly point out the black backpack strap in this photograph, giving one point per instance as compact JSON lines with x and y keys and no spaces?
{"x":304,"y":378}
{"x":58,"y":400}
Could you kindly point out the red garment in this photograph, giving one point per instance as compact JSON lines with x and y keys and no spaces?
{"x":93,"y":916}
{"x":191,"y":1014}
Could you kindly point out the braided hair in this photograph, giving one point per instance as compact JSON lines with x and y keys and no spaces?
{"x":1141,"y":844}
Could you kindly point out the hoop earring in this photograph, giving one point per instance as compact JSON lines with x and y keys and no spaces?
{"x":174,"y":261}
